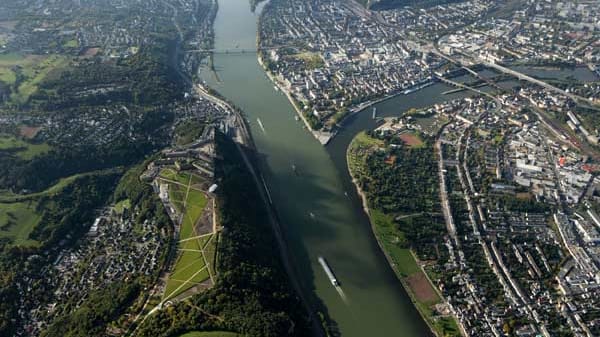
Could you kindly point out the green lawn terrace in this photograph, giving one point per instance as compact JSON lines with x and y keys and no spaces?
{"x":191,"y":207}
{"x":182,"y":177}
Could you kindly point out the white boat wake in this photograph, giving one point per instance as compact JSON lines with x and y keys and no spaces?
{"x":342,"y":295}
{"x":261,"y":126}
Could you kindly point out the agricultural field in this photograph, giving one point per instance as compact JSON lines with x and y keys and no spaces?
{"x":197,"y":243}
{"x":22,"y":149}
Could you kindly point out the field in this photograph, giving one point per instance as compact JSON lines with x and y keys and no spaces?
{"x":423,"y":291}
{"x":171,"y":174}
{"x":411,"y":139}
{"x":430,"y":124}
{"x":8,"y":197}
{"x":29,"y":132}
{"x":18,"y":213}
{"x":71,"y":44}
{"x":361,"y":144}
{"x":411,"y":275}
{"x":90,"y":52}
{"x":122,"y":205}
{"x":25,"y":150}
{"x":35,"y":74}
{"x":17,"y":220}
{"x":33,"y":68}
{"x":209,"y":334}
{"x":390,"y":238}
{"x":312,"y":60}
{"x":195,"y":262}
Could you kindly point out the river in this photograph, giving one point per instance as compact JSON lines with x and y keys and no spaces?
{"x":376,"y":303}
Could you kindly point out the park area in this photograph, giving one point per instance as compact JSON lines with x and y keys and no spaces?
{"x":373,"y":166}
{"x":193,"y":269}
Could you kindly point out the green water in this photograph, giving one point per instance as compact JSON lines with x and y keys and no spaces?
{"x":318,"y":207}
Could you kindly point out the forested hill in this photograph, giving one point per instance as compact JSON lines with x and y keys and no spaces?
{"x":389,"y":4}
{"x":252,"y":295}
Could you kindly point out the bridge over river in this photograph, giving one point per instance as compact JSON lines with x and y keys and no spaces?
{"x":236,"y":50}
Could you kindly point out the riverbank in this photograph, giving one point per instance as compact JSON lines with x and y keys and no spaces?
{"x":321,"y":136}
{"x":377,"y":304}
{"x":325,"y":137}
{"x":403,"y":261}
{"x":243,"y":140}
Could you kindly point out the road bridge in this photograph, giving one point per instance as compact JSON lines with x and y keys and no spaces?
{"x":466,"y":87}
{"x":528,"y":78}
{"x":237,"y":50}
{"x":223,"y":51}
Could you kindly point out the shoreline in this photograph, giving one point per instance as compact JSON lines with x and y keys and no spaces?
{"x":321,"y":136}
{"x":405,"y":285}
{"x":252,"y":164}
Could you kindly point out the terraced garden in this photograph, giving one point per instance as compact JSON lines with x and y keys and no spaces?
{"x":198,"y":239}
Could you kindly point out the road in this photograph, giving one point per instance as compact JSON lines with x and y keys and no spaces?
{"x":444,"y":195}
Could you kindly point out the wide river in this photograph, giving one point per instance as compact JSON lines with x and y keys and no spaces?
{"x":318,"y":207}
